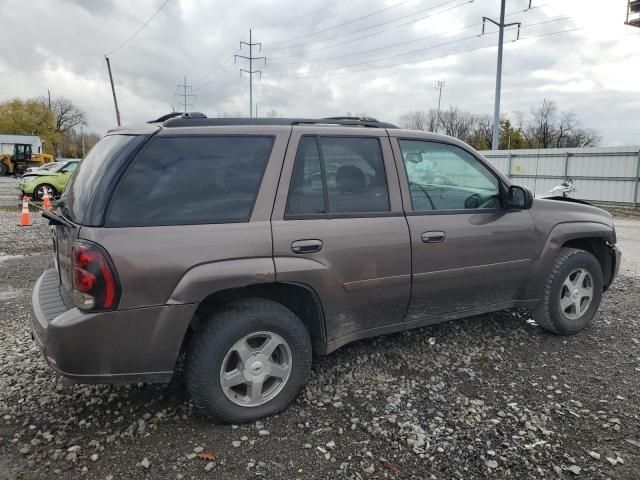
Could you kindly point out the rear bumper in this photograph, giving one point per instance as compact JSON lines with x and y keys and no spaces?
{"x":137,"y":345}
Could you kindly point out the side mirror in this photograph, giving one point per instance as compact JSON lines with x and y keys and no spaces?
{"x":519,"y":198}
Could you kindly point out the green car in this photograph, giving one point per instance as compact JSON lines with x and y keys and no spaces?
{"x":53,"y":180}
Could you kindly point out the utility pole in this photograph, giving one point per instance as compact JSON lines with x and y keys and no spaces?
{"x":185,"y":95}
{"x":495,"y":144}
{"x":82,"y":138}
{"x":113,"y":90}
{"x":49,"y":95}
{"x":439,"y":87}
{"x":251,"y":71}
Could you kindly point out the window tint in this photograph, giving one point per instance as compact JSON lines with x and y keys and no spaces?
{"x":446,"y":177}
{"x":338,"y":175}
{"x":191,"y":180}
{"x":85,"y":181}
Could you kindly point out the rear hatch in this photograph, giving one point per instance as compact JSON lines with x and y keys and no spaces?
{"x":85,"y":198}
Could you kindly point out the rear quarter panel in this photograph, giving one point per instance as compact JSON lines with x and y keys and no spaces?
{"x":185,"y":263}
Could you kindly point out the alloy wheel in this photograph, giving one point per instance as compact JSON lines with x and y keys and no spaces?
{"x":576,"y":293}
{"x":255,"y":369}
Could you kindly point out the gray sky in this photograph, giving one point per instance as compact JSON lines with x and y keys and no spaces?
{"x":383,"y":65}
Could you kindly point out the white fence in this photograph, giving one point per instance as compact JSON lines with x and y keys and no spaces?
{"x":605,"y":174}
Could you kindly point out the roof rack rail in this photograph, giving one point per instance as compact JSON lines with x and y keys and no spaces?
{"x":360,"y":118}
{"x":171,"y":115}
{"x":201,"y":120}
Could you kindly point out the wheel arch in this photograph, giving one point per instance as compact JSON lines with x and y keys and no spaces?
{"x":592,"y":237}
{"x":300,"y":298}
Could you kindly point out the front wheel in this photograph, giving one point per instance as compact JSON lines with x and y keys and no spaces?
{"x":572,"y":293}
{"x":248,"y":361}
{"x":38,"y":192}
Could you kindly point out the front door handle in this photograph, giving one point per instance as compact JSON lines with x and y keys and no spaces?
{"x":433,"y":237}
{"x":306,"y":246}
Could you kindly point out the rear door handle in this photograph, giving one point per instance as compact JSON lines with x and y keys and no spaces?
{"x":433,"y":237}
{"x":306,"y":246}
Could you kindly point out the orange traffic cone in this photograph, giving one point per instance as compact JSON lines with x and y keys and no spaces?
{"x":25,"y":216}
{"x":46,"y":201}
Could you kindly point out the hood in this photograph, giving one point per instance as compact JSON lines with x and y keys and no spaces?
{"x":560,"y":210}
{"x":39,"y":174}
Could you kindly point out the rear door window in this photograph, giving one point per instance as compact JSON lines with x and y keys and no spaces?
{"x":338,"y":176}
{"x":191,"y":180}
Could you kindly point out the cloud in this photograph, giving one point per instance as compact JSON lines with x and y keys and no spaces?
{"x":591,"y":71}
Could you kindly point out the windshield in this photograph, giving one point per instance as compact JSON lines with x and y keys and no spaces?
{"x":57,"y":167}
{"x":49,"y":166}
{"x":85,"y":180}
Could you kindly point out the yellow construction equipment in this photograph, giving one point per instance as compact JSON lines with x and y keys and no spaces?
{"x":21,"y":159}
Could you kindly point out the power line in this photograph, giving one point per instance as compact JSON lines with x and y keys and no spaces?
{"x":251,"y":71}
{"x":317,"y":32}
{"x":140,"y":29}
{"x":419,"y":50}
{"x":380,"y":24}
{"x":408,"y":62}
{"x":386,"y":47}
{"x":431,"y":46}
{"x":297,"y":17}
{"x":361,"y":52}
{"x":393,"y":27}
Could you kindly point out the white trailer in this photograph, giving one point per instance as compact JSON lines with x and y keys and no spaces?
{"x":8,"y":141}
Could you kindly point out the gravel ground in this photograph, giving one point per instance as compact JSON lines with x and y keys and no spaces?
{"x":493,"y":396}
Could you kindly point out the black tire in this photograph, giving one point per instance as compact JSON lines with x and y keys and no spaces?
{"x":211,"y":343}
{"x":4,"y":170}
{"x":38,"y":192}
{"x":549,"y":314}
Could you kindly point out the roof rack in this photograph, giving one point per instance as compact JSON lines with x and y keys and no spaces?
{"x":197,"y":119}
{"x":171,"y":115}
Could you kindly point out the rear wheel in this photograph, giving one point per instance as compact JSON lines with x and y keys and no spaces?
{"x":4,"y":170}
{"x":248,"y":361}
{"x":572,"y":293}
{"x":38,"y":192}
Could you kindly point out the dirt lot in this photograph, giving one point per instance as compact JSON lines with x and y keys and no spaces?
{"x":493,"y":396}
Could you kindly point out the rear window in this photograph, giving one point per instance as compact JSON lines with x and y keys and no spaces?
{"x":85,"y":181}
{"x":191,"y":180}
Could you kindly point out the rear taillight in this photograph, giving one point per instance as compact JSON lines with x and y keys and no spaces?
{"x":95,"y":285}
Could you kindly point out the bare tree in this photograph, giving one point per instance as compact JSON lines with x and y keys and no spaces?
{"x":542,"y":128}
{"x":483,"y":135}
{"x":67,"y":115}
{"x":540,"y":131}
{"x":547,"y":129}
{"x":420,"y":120}
{"x":458,"y":124}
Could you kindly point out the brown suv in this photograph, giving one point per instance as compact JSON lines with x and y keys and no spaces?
{"x":249,"y":244}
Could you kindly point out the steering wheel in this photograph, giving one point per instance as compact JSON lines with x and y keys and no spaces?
{"x":476,"y":201}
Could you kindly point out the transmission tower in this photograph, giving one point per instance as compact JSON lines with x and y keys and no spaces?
{"x":184,"y":95}
{"x":439,"y":86}
{"x":496,"y":111}
{"x":251,"y":71}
